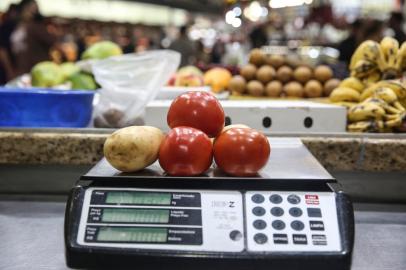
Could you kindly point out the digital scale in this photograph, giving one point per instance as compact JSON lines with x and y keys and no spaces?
{"x":293,"y":215}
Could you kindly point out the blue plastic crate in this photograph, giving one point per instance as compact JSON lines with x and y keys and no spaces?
{"x":38,"y":107}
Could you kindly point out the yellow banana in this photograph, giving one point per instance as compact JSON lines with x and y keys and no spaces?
{"x":384,"y":93}
{"x":374,"y":126}
{"x":363,"y":68}
{"x":392,"y":116}
{"x":367,"y":50}
{"x":397,"y":86}
{"x":344,"y":94}
{"x":372,"y":78}
{"x":365,"y":111}
{"x":388,"y":108}
{"x":389,"y":96}
{"x":366,"y":126}
{"x":389,"y":48}
{"x":354,"y":83}
{"x":396,"y":122}
{"x":369,"y":91}
{"x":401,"y":63}
{"x":403,"y":102}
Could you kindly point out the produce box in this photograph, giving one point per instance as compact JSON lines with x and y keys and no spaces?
{"x":267,"y":115}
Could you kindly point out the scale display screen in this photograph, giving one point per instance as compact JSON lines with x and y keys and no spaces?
{"x":133,"y":235}
{"x":140,"y":198}
{"x":135,"y":215}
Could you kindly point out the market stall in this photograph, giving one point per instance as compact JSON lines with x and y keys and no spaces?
{"x":226,"y":134}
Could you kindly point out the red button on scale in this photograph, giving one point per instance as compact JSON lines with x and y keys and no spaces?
{"x":312,"y":199}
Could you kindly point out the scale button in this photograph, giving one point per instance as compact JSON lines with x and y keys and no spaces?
{"x":235,"y":235}
{"x":295,"y":212}
{"x":278,"y":225}
{"x":280,"y":238}
{"x":314,"y":212}
{"x":319,"y":239}
{"x":275,"y":198}
{"x":297,"y":225}
{"x":258,"y":198}
{"x":259,"y":224}
{"x":316,"y":225}
{"x":293,"y":199}
{"x":260,"y":238}
{"x":277,"y":211}
{"x":258,"y":211}
{"x":300,"y":239}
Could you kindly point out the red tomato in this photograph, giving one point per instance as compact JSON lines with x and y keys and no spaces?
{"x":185,"y":151}
{"x":241,"y":151}
{"x":196,"y":109}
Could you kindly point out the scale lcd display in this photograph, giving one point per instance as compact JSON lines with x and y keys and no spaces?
{"x":132,"y":235}
{"x":135,"y":215}
{"x":139,"y":198}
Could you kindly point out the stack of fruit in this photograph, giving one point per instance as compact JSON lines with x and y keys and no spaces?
{"x":375,"y":98}
{"x":276,"y":76}
{"x":374,"y":61}
{"x":50,"y":74}
{"x":187,"y":149}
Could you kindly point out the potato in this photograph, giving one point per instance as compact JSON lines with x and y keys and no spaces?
{"x":133,"y":148}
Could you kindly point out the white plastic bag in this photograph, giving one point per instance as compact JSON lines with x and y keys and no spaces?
{"x":128,"y":82}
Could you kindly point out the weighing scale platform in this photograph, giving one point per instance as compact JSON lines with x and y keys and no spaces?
{"x":289,"y":161}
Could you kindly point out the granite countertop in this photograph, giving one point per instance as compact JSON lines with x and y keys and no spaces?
{"x":336,"y":152}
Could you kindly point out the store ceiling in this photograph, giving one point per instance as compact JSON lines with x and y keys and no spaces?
{"x":205,"y":6}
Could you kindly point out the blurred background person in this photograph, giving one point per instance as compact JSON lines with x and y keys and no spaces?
{"x":348,"y":45}
{"x":373,"y":30}
{"x":31,"y":41}
{"x":8,"y":24}
{"x":218,"y":51}
{"x":396,"y":24}
{"x":185,"y":47}
{"x":259,"y":36}
{"x":202,"y":56}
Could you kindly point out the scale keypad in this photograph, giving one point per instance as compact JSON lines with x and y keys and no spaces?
{"x":291,"y":221}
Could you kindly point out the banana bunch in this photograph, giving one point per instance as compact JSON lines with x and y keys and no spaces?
{"x":379,"y":107}
{"x":373,"y":61}
{"x":380,"y":111}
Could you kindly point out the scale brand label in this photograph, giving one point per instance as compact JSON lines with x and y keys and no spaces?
{"x":312,"y":199}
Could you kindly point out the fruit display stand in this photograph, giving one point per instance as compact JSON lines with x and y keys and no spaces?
{"x":267,"y":115}
{"x":284,"y":73}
